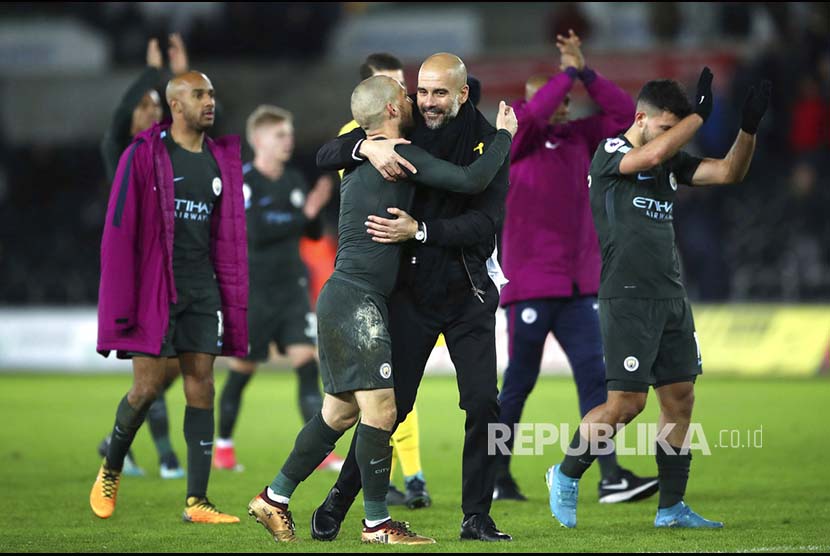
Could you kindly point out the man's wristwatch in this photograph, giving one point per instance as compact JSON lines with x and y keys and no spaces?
{"x":421,"y":234}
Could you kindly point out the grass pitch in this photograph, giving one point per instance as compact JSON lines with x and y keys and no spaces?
{"x":772,"y":498}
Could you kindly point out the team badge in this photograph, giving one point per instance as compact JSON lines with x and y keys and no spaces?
{"x":631,"y":363}
{"x":217,"y":186}
{"x":297,"y":198}
{"x":386,"y":370}
{"x":529,"y":315}
{"x":673,"y":181}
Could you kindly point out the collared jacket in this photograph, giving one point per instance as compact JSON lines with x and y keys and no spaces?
{"x":137,"y":285}
{"x":549,"y":245}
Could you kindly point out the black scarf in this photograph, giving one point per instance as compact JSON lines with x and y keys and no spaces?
{"x":456,"y":141}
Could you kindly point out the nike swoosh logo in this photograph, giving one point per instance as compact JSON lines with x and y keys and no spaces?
{"x":375,"y":462}
{"x":701,"y":99}
{"x":622,"y":485}
{"x":178,"y":179}
{"x":644,"y":177}
{"x":203,"y":443}
{"x":551,"y":146}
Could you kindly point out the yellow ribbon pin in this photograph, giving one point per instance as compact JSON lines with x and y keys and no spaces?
{"x":479,"y":148}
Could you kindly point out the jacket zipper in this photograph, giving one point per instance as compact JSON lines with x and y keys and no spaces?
{"x":478,"y":293}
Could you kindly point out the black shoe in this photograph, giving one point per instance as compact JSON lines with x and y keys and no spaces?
{"x":417,"y":495}
{"x":480,"y":527}
{"x":327,"y":518}
{"x":170,"y":460}
{"x":627,"y":487}
{"x":506,"y":488}
{"x":395,"y":497}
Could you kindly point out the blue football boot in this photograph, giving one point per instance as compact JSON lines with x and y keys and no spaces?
{"x":563,"y":494}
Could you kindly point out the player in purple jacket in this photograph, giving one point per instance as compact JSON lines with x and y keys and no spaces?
{"x":550,"y":251}
{"x":174,"y":280}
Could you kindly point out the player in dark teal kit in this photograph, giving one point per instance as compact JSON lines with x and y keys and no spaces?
{"x":648,"y":333}
{"x":279,"y":210}
{"x":355,"y":348}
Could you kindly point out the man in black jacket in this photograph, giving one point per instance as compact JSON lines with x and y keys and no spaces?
{"x":443,"y":284}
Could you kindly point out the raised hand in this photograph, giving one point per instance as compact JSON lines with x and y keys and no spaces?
{"x":506,"y":118}
{"x":177,"y":54}
{"x":703,"y":97}
{"x":570,"y":48}
{"x":154,"y":58}
{"x":755,"y":105}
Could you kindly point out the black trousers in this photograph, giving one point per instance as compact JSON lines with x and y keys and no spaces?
{"x":469,"y":328}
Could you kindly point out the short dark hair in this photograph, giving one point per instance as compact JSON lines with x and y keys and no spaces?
{"x":666,"y":95}
{"x":379,"y":61}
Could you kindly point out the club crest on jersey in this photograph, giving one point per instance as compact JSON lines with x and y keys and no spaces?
{"x":631,"y":363}
{"x":386,"y":370}
{"x":673,"y":181}
{"x":217,"y":186}
{"x":297,"y":198}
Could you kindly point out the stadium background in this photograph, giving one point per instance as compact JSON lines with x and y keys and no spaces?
{"x":756,"y":257}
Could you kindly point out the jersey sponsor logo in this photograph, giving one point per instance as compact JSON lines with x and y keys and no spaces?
{"x":631,"y":363}
{"x":529,"y":315}
{"x":277,"y":217}
{"x":479,"y":148}
{"x":297,"y":198}
{"x":655,"y":209}
{"x":193,"y":210}
{"x":673,"y":181}
{"x":217,"y":186}
{"x":385,"y":371}
{"x":246,"y":194}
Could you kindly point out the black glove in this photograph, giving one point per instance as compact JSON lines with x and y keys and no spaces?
{"x":703,"y":98}
{"x":755,"y":105}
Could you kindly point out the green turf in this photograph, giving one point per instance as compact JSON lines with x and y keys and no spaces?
{"x":774,"y":498}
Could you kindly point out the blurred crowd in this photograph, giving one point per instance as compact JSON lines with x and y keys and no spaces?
{"x":768,"y":239}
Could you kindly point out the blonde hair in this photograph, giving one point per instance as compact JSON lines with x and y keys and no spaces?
{"x":263,"y":115}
